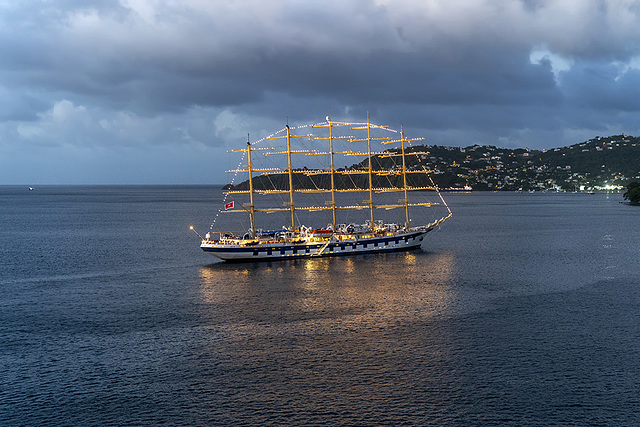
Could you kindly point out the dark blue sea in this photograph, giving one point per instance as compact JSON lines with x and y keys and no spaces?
{"x":521,"y":310}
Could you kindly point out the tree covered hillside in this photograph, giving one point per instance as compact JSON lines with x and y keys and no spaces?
{"x":598,"y":163}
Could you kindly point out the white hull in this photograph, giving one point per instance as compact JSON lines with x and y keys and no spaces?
{"x":284,"y":250}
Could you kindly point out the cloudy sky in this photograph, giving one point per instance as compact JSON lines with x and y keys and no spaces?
{"x":156,"y":91}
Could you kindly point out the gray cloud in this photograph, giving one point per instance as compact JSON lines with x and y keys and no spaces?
{"x":167,"y":76}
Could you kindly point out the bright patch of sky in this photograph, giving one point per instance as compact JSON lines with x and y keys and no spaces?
{"x":558,"y":63}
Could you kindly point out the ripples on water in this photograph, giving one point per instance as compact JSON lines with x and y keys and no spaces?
{"x":521,"y":310}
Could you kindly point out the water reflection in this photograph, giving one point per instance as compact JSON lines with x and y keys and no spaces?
{"x":328,"y":335}
{"x":376,"y":290}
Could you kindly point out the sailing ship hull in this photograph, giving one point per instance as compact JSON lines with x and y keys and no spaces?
{"x":275,"y":251}
{"x":327,"y":183}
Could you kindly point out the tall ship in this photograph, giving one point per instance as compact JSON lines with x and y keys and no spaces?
{"x":349,"y":197}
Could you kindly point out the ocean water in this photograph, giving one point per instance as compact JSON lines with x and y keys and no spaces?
{"x":523,"y":309}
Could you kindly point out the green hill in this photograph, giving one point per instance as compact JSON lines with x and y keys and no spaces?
{"x":599,"y":162}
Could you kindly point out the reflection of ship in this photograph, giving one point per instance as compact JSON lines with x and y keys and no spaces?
{"x":373,"y":175}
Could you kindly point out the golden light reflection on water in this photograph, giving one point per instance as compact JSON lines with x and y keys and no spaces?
{"x":376,"y":290}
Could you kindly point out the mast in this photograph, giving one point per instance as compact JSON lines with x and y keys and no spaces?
{"x":404,"y":179}
{"x":250,"y":169}
{"x":290,"y":169}
{"x":405,"y":186}
{"x":288,"y":136}
{"x":370,"y":170}
{"x":332,"y":169}
{"x":332,"y":172}
{"x":368,"y":127}
{"x":252,"y":210}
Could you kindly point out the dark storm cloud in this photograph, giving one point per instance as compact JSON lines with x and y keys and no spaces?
{"x":601,"y":86}
{"x":196,"y":73}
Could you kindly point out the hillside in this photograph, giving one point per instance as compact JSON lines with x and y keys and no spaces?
{"x":598,"y":163}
